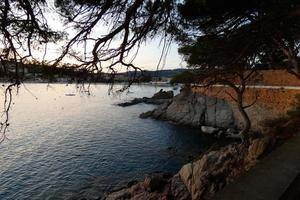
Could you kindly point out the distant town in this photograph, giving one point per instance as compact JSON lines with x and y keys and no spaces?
{"x":69,"y":73}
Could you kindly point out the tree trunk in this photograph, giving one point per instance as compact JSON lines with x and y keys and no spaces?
{"x":240,"y":90}
{"x":246,"y":121}
{"x":246,"y":124}
{"x":296,"y":67}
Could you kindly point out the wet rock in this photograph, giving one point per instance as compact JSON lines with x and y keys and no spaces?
{"x":157,"y":113}
{"x":158,"y":98}
{"x":163,"y":95}
{"x":209,"y":130}
{"x":133,"y":102}
{"x":146,"y":114}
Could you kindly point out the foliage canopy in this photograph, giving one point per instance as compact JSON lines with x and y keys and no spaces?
{"x":220,"y":38}
{"x":232,"y":35}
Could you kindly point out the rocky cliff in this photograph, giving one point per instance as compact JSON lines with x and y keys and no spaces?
{"x":194,"y":109}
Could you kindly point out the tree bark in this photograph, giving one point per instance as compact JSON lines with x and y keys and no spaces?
{"x":246,"y":124}
{"x":246,"y":120}
{"x":296,"y":67}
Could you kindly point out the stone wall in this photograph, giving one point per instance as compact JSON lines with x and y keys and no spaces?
{"x":271,"y":102}
{"x":276,"y":78}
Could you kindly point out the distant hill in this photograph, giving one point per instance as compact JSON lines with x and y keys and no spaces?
{"x":160,"y":73}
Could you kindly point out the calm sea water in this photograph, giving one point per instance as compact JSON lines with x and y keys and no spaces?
{"x":60,"y":145}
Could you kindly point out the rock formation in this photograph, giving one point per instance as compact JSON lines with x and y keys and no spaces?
{"x":158,"y":98}
{"x":158,"y":186}
{"x":194,"y":109}
{"x":203,"y":178}
{"x":200,"y":179}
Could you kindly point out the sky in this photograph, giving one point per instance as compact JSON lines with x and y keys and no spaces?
{"x":147,"y":58}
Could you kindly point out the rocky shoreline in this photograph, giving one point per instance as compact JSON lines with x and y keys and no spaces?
{"x":211,"y":171}
{"x":212,"y":115}
{"x":200,"y":179}
{"x":158,"y":98}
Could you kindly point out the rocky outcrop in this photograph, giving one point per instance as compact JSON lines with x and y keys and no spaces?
{"x":203,"y":178}
{"x":200,"y":179}
{"x":178,"y":189}
{"x":143,"y":100}
{"x":158,"y":186}
{"x":161,"y":94}
{"x":158,"y":98}
{"x":194,"y":109}
{"x":213,"y":171}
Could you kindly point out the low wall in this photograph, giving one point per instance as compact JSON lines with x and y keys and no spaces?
{"x":271,"y":102}
{"x":276,"y":78}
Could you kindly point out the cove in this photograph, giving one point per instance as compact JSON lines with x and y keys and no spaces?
{"x":60,"y":144}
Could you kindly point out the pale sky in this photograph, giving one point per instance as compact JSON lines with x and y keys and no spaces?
{"x":147,"y":58}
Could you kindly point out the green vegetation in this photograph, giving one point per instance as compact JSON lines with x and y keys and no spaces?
{"x":145,"y":79}
{"x":184,"y":77}
{"x":296,"y":111}
{"x":284,"y":127}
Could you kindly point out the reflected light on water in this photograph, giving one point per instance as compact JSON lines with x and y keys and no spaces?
{"x":59,"y":144}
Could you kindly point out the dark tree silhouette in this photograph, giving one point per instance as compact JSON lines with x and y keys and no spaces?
{"x":131,"y":22}
{"x":227,"y":41}
{"x":236,"y":30}
{"x":267,"y":29}
{"x":23,"y":26}
{"x":215,"y":35}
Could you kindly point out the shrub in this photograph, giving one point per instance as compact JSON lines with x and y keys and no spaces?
{"x":296,"y":111}
{"x":184,"y":77}
{"x":286,"y":126}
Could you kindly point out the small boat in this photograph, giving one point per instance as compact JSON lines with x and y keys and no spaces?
{"x":70,"y":95}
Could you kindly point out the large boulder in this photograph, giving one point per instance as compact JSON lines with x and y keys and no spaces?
{"x":206,"y":176}
{"x":195,"y":109}
{"x":161,"y":94}
{"x":203,"y":178}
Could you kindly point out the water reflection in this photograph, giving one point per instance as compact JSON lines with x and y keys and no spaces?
{"x":61,"y":143}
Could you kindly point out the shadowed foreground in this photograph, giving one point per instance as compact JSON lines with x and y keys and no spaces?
{"x":273,"y":178}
